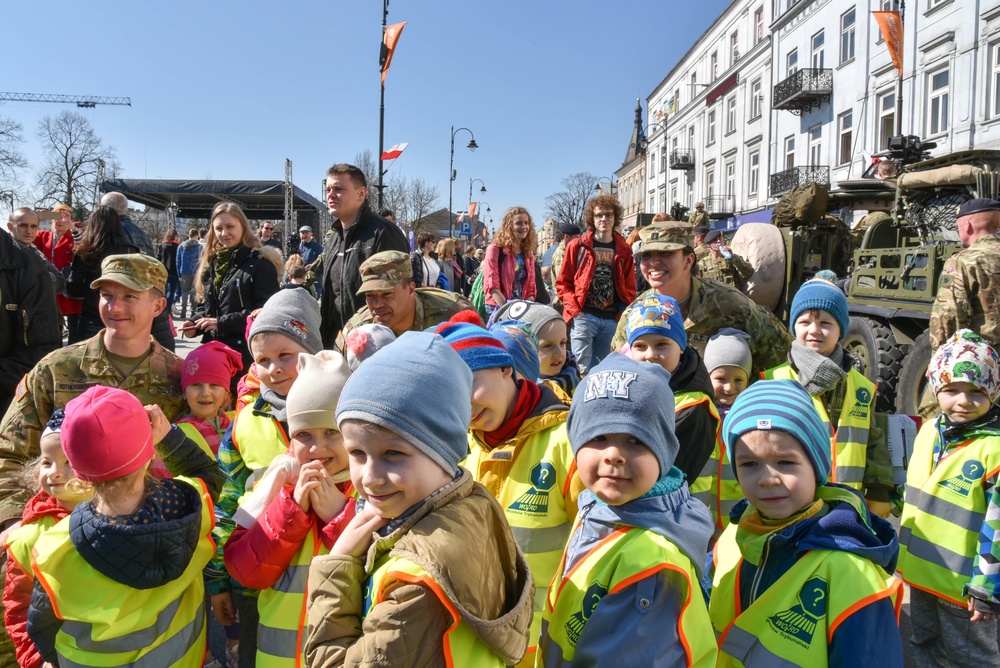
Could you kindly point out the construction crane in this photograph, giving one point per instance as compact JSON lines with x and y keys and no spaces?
{"x":82,"y":101}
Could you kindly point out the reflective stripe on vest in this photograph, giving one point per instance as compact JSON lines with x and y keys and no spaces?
{"x":106,"y":623}
{"x":533,"y":496}
{"x":849,"y":448}
{"x":728,"y":490}
{"x":792,"y":622}
{"x":460,"y":644}
{"x":21,"y":541}
{"x":192,"y":432}
{"x":258,"y":436}
{"x":944,"y":510}
{"x":703,"y":487}
{"x":619,"y":560}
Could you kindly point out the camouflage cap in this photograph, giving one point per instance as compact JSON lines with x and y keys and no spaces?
{"x":666,"y":236}
{"x":134,"y":271}
{"x":385,"y":271}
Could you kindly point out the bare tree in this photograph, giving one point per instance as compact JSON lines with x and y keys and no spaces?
{"x":73,"y":152}
{"x":567,"y":205}
{"x":11,"y":159}
{"x":367,"y":164}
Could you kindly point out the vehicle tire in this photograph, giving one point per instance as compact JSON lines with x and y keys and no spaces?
{"x":880,"y":357}
{"x":913,"y":394}
{"x":763,"y":246}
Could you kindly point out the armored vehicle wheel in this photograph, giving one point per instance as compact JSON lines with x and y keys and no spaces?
{"x":762,"y":245}
{"x":881,"y":357}
{"x":913,"y":392}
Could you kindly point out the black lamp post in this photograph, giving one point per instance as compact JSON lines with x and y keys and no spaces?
{"x":472,"y":146}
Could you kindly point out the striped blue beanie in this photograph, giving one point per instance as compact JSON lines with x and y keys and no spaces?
{"x":823,"y":295}
{"x":522,"y":344}
{"x":786,"y":406}
{"x":476,"y":346}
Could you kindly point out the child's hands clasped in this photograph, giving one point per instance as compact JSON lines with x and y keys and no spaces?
{"x":316,"y":490}
{"x":356,"y":538}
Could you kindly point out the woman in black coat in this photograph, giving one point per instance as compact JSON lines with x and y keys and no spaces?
{"x":233,"y":280}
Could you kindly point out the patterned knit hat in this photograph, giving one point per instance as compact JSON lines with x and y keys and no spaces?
{"x":966,"y":358}
{"x":364,"y":341}
{"x":823,"y":295}
{"x":476,"y":346}
{"x":522,"y":344}
{"x":656,"y":314}
{"x":536,"y":315}
{"x":786,"y":406}
{"x":293,"y":313}
{"x":213,"y":362}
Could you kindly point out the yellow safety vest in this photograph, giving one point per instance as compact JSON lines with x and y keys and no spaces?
{"x":258,"y":436}
{"x":461,"y":646}
{"x":624,"y":557}
{"x":792,"y":623}
{"x":849,"y":447}
{"x":943,"y":512}
{"x":533,"y":497}
{"x":703,"y":487}
{"x":727,"y":489}
{"x":191,"y":431}
{"x":22,"y":541}
{"x":106,"y":623}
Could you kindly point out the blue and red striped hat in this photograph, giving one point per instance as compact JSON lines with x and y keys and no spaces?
{"x":475,"y":345}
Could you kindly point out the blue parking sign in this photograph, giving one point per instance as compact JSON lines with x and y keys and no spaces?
{"x":466,"y":228}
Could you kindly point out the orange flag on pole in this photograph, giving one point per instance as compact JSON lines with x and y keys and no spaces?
{"x":891,"y":25}
{"x":392,"y":34}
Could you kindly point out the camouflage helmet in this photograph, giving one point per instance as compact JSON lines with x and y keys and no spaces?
{"x":665,"y":236}
{"x":385,"y":271}
{"x":134,"y":271}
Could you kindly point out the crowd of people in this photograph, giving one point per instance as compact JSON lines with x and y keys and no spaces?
{"x":429,"y":465}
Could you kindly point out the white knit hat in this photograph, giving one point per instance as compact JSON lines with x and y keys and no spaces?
{"x":312,"y":401}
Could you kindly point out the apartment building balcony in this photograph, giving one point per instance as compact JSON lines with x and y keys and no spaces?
{"x":786,"y":181}
{"x":719,"y":207}
{"x":682,"y":158}
{"x":804,"y":90}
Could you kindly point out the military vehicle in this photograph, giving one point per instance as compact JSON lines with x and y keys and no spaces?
{"x":889,"y":264}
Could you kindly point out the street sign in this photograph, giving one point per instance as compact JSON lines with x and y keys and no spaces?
{"x":466,"y":228}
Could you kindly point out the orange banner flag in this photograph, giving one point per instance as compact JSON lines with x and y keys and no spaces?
{"x":891,"y":25}
{"x":472,"y":209}
{"x":392,"y":34}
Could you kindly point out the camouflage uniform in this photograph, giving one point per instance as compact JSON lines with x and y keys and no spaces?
{"x":386,"y":271}
{"x":698,"y":219}
{"x":700,"y":251}
{"x":557,"y":260}
{"x":968,"y":294}
{"x":733,"y":271}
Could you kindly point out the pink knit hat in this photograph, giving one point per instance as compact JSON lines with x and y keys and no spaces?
{"x":106,"y":434}
{"x":213,"y":362}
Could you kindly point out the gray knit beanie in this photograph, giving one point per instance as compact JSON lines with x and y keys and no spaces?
{"x":294,"y":313}
{"x":419,"y":389}
{"x":622,"y":396}
{"x":312,"y":401}
{"x":728,"y":347}
{"x":536,"y":315}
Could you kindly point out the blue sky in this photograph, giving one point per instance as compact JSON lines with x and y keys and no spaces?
{"x":228,"y":90}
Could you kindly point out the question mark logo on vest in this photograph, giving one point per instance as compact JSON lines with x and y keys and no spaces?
{"x":535,"y":501}
{"x":972,"y":471}
{"x":798,"y":623}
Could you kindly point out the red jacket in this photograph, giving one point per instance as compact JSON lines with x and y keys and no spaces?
{"x":577,"y":271}
{"x":61,"y":258}
{"x":20,"y":582}
{"x":256,"y":557}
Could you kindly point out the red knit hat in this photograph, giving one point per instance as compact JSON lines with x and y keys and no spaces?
{"x":106,"y":434}
{"x":213,"y":362}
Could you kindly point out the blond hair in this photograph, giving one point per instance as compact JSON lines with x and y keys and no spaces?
{"x":212,"y":245}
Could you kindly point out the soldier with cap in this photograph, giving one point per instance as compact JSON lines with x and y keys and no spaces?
{"x":968,"y":294}
{"x":700,"y":247}
{"x":122,"y":355}
{"x":722,"y":264}
{"x":569,"y":232}
{"x":667,"y":260}
{"x":393,"y":299}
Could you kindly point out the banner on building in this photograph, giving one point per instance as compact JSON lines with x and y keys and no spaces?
{"x":891,"y":25}
{"x":389,"y":40}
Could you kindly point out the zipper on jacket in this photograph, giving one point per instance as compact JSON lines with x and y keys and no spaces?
{"x":760,"y":571}
{"x":24,"y":319}
{"x":240,"y":293}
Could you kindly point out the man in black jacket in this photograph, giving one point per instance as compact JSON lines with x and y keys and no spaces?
{"x":29,"y":316}
{"x":357,"y":234}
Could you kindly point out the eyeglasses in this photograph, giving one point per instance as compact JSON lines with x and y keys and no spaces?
{"x":603,"y":214}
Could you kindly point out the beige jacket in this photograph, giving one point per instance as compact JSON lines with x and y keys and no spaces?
{"x":461,"y":538}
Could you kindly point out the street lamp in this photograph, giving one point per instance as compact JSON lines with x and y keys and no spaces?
{"x":482,"y":190}
{"x":597,"y":187}
{"x":472,"y":146}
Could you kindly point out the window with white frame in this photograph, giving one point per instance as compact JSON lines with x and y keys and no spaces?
{"x":710,"y":182}
{"x":731,"y":114}
{"x":734,"y":48}
{"x":931,"y":4}
{"x":886,"y":105}
{"x":691,"y":137}
{"x":789,"y":152}
{"x":885,"y":6}
{"x":711,"y":128}
{"x":758,"y":22}
{"x":652,"y":161}
{"x":754,"y":171}
{"x":847,"y":44}
{"x":818,"y":43}
{"x":937,"y":102}
{"x":690,"y":193}
{"x":673,"y":143}
{"x":731,"y":180}
{"x":673,"y":195}
{"x":652,"y":203}
{"x":663,"y":199}
{"x":694,"y":84}
{"x":713,"y":67}
{"x":663,"y":160}
{"x":845,"y":125}
{"x":792,"y":62}
{"x":816,"y":145}
{"x":995,"y":80}
{"x":756,"y":98}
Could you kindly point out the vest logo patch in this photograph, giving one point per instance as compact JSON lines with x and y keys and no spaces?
{"x":577,"y":620}
{"x":603,"y":383}
{"x":862,"y":401}
{"x":972,"y":471}
{"x":798,"y":623}
{"x":536,"y":500}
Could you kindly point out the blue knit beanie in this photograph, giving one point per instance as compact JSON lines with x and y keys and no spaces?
{"x":656,"y":314}
{"x":786,"y":406}
{"x":476,"y":346}
{"x":391,"y":390}
{"x":622,"y":396}
{"x":522,"y":344}
{"x":820,"y":294}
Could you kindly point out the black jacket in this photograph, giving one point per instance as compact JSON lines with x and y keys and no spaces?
{"x":167,"y":254}
{"x":695,"y":426}
{"x":250,"y":281}
{"x":29,"y":315}
{"x":338,"y":266}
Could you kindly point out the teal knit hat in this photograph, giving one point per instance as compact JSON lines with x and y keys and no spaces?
{"x":823,"y":295}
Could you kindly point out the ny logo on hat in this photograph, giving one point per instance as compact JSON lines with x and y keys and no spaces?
{"x":616,"y":382}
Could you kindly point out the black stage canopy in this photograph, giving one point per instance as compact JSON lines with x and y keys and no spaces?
{"x":260,"y":200}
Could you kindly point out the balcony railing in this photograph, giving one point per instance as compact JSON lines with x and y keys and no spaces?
{"x":783,"y":182}
{"x":720,"y":206}
{"x":682,"y":158}
{"x":804,"y":90}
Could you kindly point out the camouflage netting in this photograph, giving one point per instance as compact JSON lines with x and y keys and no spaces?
{"x":933,"y":211}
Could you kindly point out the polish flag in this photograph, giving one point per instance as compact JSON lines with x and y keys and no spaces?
{"x":395,"y":151}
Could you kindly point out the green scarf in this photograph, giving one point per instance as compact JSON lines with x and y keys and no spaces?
{"x":223,"y":260}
